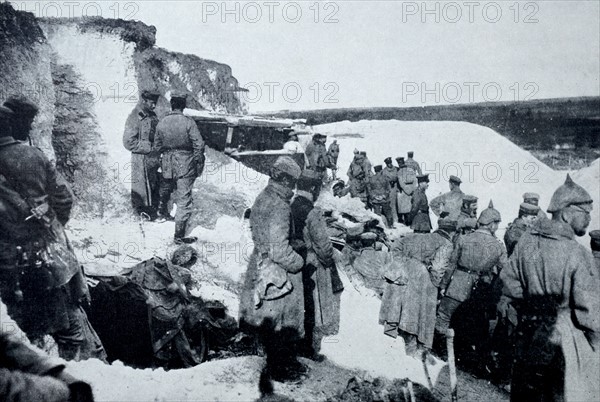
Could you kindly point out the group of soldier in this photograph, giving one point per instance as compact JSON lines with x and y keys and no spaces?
{"x":291,"y":292}
{"x":167,"y":155}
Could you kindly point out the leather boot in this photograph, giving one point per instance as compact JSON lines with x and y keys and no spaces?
{"x":163,"y":214}
{"x":180,"y":237}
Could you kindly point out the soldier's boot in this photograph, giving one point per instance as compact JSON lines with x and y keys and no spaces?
{"x":163,"y":214}
{"x":180,"y":237}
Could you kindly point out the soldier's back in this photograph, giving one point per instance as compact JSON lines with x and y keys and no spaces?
{"x":479,"y":251}
{"x":174,"y":130}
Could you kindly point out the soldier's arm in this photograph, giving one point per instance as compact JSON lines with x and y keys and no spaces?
{"x":510,"y":276}
{"x":452,"y":262}
{"x":316,"y":226}
{"x":440,"y":264}
{"x":198,"y":145}
{"x":585,"y":288}
{"x":60,"y":196}
{"x":131,"y":132}
{"x":158,"y":138}
{"x":414,"y":208}
{"x":282,"y":252}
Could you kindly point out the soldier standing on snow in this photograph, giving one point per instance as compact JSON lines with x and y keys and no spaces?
{"x":332,"y":157}
{"x":407,"y":184}
{"x":477,"y":259}
{"x":277,"y":317}
{"x":527,"y":216}
{"x":418,"y":218}
{"x":413,"y":164}
{"x":41,"y":281}
{"x":390,"y":172}
{"x":322,"y":284}
{"x":378,"y":191}
{"x":357,"y":178}
{"x":553,"y":283}
{"x":450,"y":202}
{"x":138,"y":138}
{"x":182,"y":147}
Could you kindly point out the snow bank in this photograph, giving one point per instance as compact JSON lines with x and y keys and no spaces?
{"x":491,"y":166}
{"x":232,"y":379}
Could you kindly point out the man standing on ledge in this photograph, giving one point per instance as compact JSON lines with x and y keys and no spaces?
{"x":138,"y":138}
{"x":450,"y":202}
{"x":182,"y":148}
{"x":552,"y":281}
{"x":418,"y":217}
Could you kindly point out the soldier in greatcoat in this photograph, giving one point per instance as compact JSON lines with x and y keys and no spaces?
{"x":333,"y":153}
{"x":552,"y":282}
{"x":407,"y":184}
{"x":391,"y":173}
{"x":413,"y":164}
{"x":412,"y":280}
{"x":378,"y":191}
{"x":182,"y":147}
{"x":418,"y":218}
{"x":277,"y":320}
{"x":357,"y":178}
{"x":527,"y":216}
{"x":467,"y":219}
{"x":321,"y":281}
{"x":138,"y":138}
{"x":534,"y":199}
{"x":41,"y":281}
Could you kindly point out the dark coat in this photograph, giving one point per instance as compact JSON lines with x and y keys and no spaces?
{"x":357,"y":180}
{"x":138,"y":137}
{"x":419,"y":213}
{"x":378,"y":189}
{"x":420,"y":260}
{"x":332,"y":155}
{"x":270,"y":223}
{"x":181,"y":145}
{"x":513,"y":234}
{"x":548,"y":265}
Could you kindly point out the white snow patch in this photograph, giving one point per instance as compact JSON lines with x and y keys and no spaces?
{"x":174,"y":67}
{"x":213,"y":292}
{"x":212,"y":74}
{"x":589,"y":178}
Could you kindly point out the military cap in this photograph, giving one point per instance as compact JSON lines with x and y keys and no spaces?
{"x":388,"y":160}
{"x":316,"y":136}
{"x":455,"y":179}
{"x":356,"y":151}
{"x":447,"y":224}
{"x":531,"y":198}
{"x":287,"y":165}
{"x":469,"y":199}
{"x":363,"y":153}
{"x":529,"y":209}
{"x":292,"y":133}
{"x":424,"y":178}
{"x":400,"y":159}
{"x":410,"y":154}
{"x":21,"y":106}
{"x":570,"y":193}
{"x":595,"y":240}
{"x":377,"y":168}
{"x":489,"y":215}
{"x":150,"y":95}
{"x":179,"y":95}
{"x":5,"y":112}
{"x":184,"y":256}
{"x":368,"y":236}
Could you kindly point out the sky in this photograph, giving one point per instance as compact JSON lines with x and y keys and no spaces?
{"x":331,"y":54}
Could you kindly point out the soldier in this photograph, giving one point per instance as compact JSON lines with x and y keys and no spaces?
{"x":411,"y":290}
{"x":279,"y":321}
{"x":552,"y":282}
{"x":467,"y":219}
{"x":41,"y":281}
{"x":292,"y":145}
{"x":418,"y":218}
{"x":316,"y":156}
{"x":527,"y":215}
{"x":391,"y":173}
{"x":378,"y":190}
{"x":595,"y":245}
{"x":332,"y":156}
{"x":477,"y":259}
{"x":451,"y":202}
{"x":366,"y":164}
{"x":138,"y":138}
{"x":357,"y":178}
{"x":407,"y":184}
{"x":413,"y":164}
{"x":322,"y":284}
{"x":182,"y":148}
{"x":534,"y":199}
